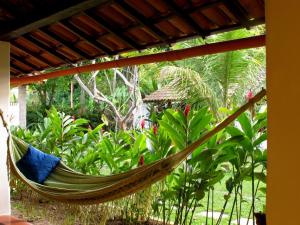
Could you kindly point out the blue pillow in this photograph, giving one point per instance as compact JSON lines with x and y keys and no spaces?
{"x":37,"y":165}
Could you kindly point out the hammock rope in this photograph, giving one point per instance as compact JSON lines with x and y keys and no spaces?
{"x":67,"y":185}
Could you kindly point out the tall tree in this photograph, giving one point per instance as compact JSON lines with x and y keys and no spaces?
{"x":98,"y":93}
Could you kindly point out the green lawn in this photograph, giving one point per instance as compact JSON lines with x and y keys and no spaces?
{"x":219,"y":200}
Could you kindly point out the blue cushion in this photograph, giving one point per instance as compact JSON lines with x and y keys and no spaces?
{"x":37,"y":165}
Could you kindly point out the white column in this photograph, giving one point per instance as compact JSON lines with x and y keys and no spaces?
{"x":4,"y":104}
{"x":22,"y":105}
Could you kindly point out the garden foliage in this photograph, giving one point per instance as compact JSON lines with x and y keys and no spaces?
{"x":231,"y":157}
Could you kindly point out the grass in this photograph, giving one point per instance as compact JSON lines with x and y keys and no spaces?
{"x":219,"y":200}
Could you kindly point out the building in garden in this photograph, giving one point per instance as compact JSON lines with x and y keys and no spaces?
{"x":36,"y":36}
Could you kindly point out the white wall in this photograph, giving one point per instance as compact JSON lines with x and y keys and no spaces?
{"x":4,"y":105}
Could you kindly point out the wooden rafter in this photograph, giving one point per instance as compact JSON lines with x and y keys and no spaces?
{"x":83,"y":36}
{"x":69,"y":45}
{"x":204,"y":6}
{"x":16,"y":67}
{"x":232,"y":27}
{"x":45,"y":17}
{"x":23,"y":61}
{"x":35,"y":55}
{"x":45,"y":48}
{"x":174,"y":55}
{"x":186,"y":17}
{"x":238,"y":11}
{"x":126,"y":40}
{"x":143,"y":21}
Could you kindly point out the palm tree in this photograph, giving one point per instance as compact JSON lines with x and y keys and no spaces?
{"x":222,"y":80}
{"x":189,"y":82}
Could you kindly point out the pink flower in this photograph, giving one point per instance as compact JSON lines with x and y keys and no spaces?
{"x":187,"y":110}
{"x":141,"y":161}
{"x":90,"y":127}
{"x":155,"y":130}
{"x":249,"y":95}
{"x":142,"y":123}
{"x":73,"y":118}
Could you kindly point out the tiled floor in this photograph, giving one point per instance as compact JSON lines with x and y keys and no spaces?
{"x":10,"y":220}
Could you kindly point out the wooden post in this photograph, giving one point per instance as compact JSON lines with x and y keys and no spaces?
{"x":283,"y":81}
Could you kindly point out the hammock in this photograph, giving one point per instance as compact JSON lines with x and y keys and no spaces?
{"x":67,"y":185}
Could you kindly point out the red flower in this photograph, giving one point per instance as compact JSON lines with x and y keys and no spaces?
{"x":187,"y":110}
{"x":155,"y":129}
{"x":142,"y":123}
{"x":141,"y":161}
{"x":249,"y":95}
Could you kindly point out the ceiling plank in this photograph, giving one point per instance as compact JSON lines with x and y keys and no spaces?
{"x":46,"y":48}
{"x":238,"y":11}
{"x":186,"y":18}
{"x":207,"y":49}
{"x":16,"y":67}
{"x":69,"y":45}
{"x":24,"y":61}
{"x":35,"y":55}
{"x":157,"y":33}
{"x":45,"y":17}
{"x":204,"y":6}
{"x":107,"y":26}
{"x":85,"y":37}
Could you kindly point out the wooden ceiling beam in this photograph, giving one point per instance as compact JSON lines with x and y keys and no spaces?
{"x":35,"y":55}
{"x":126,"y":40}
{"x":232,"y":45}
{"x":85,"y":37}
{"x":232,"y":27}
{"x":238,"y":11}
{"x":204,"y":6}
{"x":44,"y":17}
{"x":16,"y":67}
{"x":24,"y":61}
{"x":156,"y":32}
{"x":46,"y":48}
{"x":69,"y":45}
{"x":186,"y":17}
{"x":13,"y":67}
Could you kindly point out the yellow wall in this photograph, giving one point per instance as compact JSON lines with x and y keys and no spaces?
{"x":283,"y":86}
{"x":4,"y":104}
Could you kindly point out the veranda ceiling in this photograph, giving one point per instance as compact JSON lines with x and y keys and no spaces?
{"x":52,"y":33}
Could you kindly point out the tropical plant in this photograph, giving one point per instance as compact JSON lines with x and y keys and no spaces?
{"x":248,"y":160}
{"x":236,"y":154}
{"x":220,"y":80}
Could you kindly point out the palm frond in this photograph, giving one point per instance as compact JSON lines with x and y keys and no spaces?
{"x":190,"y":82}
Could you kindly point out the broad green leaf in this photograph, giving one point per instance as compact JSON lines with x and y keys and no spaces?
{"x":173,"y":134}
{"x":260,"y":139}
{"x":246,"y":125}
{"x":175,"y":123}
{"x":233,"y":131}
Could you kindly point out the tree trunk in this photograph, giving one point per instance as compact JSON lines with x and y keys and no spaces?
{"x":82,"y":102}
{"x":72,"y":94}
